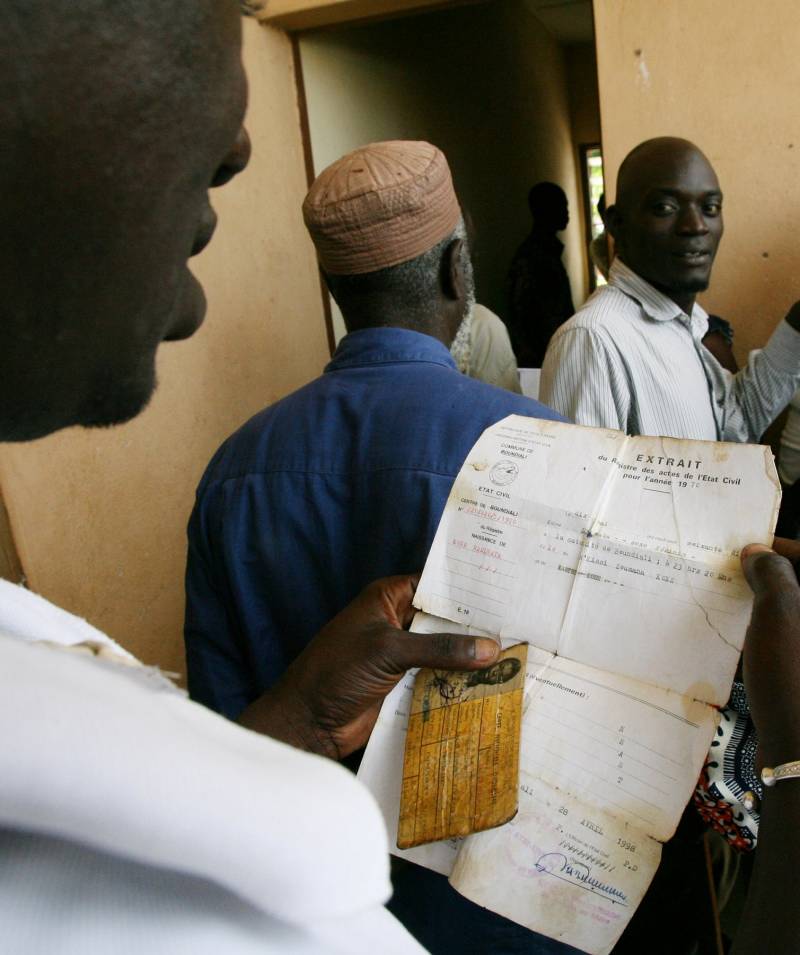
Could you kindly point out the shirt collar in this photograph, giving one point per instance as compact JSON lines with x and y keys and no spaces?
{"x":654,"y":304}
{"x":384,"y":346}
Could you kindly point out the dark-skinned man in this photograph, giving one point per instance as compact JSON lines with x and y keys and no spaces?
{"x":132,"y":820}
{"x":346,"y":479}
{"x":632,"y":357}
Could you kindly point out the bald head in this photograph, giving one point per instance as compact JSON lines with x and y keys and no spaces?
{"x":116,"y":118}
{"x":667,"y":218}
{"x":657,"y":161}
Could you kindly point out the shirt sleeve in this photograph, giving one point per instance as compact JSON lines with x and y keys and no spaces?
{"x":217,"y":671}
{"x":492,"y":359}
{"x":584,"y":380}
{"x":756,"y":395}
{"x":508,"y":377}
{"x":789,"y":453}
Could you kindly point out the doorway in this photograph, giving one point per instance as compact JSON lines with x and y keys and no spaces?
{"x":506,"y":88}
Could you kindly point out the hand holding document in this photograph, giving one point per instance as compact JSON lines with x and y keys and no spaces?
{"x":617,"y":559}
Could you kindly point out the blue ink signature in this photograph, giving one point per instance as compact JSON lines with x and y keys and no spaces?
{"x":580,"y":875}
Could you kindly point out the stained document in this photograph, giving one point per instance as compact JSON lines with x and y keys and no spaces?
{"x":619,"y":552}
{"x":617,"y":558}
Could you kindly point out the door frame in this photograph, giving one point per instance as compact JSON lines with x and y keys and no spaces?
{"x":294,"y":15}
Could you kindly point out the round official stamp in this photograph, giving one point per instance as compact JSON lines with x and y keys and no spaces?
{"x":503,"y":473}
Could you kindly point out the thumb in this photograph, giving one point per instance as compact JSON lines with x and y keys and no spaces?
{"x":767,"y":572}
{"x":442,"y":651}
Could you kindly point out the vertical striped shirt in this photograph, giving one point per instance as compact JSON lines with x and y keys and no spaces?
{"x":632,"y":360}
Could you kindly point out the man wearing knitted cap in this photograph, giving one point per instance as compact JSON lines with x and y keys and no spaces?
{"x":345,"y":480}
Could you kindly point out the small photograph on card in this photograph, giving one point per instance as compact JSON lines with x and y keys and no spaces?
{"x":461,"y":764}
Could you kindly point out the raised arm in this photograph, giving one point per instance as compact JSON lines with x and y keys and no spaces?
{"x":756,"y":395}
{"x":771,"y":920}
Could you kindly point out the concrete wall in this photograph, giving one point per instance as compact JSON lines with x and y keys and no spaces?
{"x":725,"y":74}
{"x":99,"y":517}
{"x":487,"y":84}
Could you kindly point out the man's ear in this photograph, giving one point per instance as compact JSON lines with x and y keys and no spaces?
{"x":452,"y":278}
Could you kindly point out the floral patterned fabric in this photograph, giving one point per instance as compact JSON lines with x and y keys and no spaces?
{"x":730,"y":774}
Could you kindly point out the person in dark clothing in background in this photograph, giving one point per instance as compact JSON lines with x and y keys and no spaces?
{"x":540,"y":295}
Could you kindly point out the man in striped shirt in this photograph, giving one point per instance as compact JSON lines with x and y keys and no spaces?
{"x":632,"y":357}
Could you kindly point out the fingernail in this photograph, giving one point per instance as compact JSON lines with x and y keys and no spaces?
{"x":486,"y":649}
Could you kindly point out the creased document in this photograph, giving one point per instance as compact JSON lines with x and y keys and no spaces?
{"x":617,"y":558}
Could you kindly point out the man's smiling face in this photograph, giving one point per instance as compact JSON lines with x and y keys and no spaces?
{"x":667,"y":221}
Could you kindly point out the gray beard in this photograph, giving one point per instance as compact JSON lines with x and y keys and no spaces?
{"x":461,"y":348}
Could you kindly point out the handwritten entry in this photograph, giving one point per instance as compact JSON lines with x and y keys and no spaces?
{"x":617,"y":560}
{"x":619,"y":552}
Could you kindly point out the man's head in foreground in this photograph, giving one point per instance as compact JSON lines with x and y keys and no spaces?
{"x":549,"y":207}
{"x":116,"y":119}
{"x":667,"y":218}
{"x":390,"y":239}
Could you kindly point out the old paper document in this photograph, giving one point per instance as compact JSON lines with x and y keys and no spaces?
{"x":618,"y":552}
{"x":606,"y":767}
{"x":617,"y":559}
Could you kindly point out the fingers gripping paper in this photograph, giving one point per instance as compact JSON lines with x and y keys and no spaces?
{"x":617,"y":558}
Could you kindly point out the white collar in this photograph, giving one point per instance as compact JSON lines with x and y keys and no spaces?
{"x":654,"y":304}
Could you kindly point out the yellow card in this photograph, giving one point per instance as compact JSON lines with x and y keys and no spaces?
{"x":461,"y":764}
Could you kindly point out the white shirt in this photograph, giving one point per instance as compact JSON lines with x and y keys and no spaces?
{"x":789,"y":454}
{"x":630,"y":359}
{"x":133,"y":821}
{"x":491,"y":357}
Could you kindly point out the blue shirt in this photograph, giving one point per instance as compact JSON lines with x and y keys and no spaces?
{"x":336,"y":485}
{"x":339,"y":483}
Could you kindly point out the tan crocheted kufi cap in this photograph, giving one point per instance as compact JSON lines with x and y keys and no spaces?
{"x":381,"y":205}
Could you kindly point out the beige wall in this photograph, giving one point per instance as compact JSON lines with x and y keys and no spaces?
{"x":486,"y":83}
{"x":725,"y":74}
{"x":99,"y":516}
